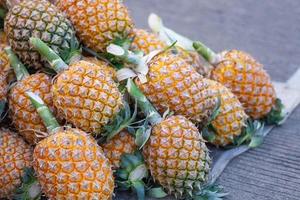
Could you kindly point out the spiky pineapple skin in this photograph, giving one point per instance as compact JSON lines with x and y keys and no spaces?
{"x":172,"y":83}
{"x":15,"y":155}
{"x":193,"y":59}
{"x":248,"y":81}
{"x":117,"y":146}
{"x":37,"y":18}
{"x":231,"y":119}
{"x":24,"y":116}
{"x":104,"y":65}
{"x":4,"y":69}
{"x":70,"y":165}
{"x":97,"y":22}
{"x":86,"y":96}
{"x":146,"y":42}
{"x":177,"y":156}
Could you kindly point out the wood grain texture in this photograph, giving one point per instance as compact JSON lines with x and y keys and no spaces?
{"x":270,"y":31}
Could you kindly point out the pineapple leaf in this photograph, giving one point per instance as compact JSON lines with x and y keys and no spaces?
{"x":211,"y":192}
{"x":139,"y":188}
{"x":73,"y":53}
{"x":2,"y":107}
{"x":276,"y":115}
{"x":156,"y":192}
{"x":216,"y":110}
{"x":131,"y":173}
{"x":121,"y":121}
{"x":252,"y":134}
{"x":142,"y":136}
{"x":29,"y":189}
{"x":208,"y":135}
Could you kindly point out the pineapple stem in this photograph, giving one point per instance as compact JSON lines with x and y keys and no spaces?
{"x":54,"y":60}
{"x":44,"y":112}
{"x":19,"y":69}
{"x":144,"y":104}
{"x":206,"y":52}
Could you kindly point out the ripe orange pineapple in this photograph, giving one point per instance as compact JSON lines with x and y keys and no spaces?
{"x":117,"y":146}
{"x":175,"y":153}
{"x":231,"y":119}
{"x":145,"y":41}
{"x":174,"y":84}
{"x":15,"y":155}
{"x":23,"y":115}
{"x":69,"y":163}
{"x":97,"y":22}
{"x":82,"y":93}
{"x":38,"y":18}
{"x":245,"y":77}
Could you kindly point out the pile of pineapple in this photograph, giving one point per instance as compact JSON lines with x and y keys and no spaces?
{"x":92,"y":105}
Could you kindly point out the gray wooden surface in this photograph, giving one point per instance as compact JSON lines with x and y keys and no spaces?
{"x":270,"y":31}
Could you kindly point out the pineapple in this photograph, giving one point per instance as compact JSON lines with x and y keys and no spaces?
{"x":177,"y":156}
{"x":245,"y":77}
{"x":175,"y":153}
{"x":174,"y":84}
{"x":231,"y":118}
{"x":145,"y":41}
{"x":23,"y":115}
{"x":69,"y":163}
{"x":82,"y":93}
{"x":15,"y":155}
{"x":120,"y":144}
{"x":38,"y":18}
{"x":97,"y":22}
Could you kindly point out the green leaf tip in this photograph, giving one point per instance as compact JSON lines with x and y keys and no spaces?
{"x":131,"y":173}
{"x":156,"y":192}
{"x":144,"y":104}
{"x":276,"y":115}
{"x":211,"y":192}
{"x":252,"y":134}
{"x":30,"y":188}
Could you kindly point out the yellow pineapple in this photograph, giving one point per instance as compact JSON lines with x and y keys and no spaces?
{"x":69,"y":163}
{"x":145,"y":41}
{"x":175,"y":153}
{"x":15,"y":155}
{"x":97,"y":22}
{"x":120,"y":144}
{"x":174,"y":84}
{"x":231,"y":118}
{"x":82,"y":93}
{"x":23,"y":115}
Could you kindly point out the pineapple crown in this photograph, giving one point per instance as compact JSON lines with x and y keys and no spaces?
{"x":18,"y":67}
{"x":133,"y":174}
{"x":276,"y":115}
{"x":122,"y":120}
{"x":30,"y":188}
{"x":48,"y":118}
